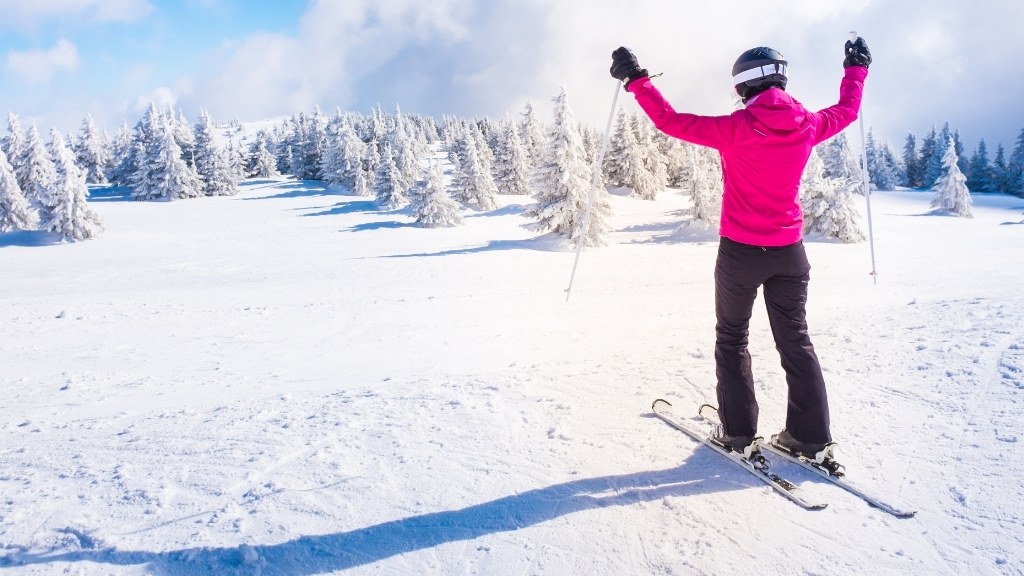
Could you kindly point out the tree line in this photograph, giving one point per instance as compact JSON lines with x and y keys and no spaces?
{"x":921,"y":163}
{"x":435,"y":170}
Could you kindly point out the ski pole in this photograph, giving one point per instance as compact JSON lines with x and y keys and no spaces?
{"x":864,"y":175}
{"x":598,"y":162}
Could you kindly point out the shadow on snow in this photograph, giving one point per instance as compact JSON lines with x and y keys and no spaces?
{"x":324,"y":553}
{"x":290,"y":188}
{"x":546,"y":243}
{"x":350,"y":207}
{"x":29,"y":239}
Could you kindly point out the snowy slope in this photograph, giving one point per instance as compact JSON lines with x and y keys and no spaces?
{"x":291,"y":382}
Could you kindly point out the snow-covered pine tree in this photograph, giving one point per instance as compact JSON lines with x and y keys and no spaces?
{"x":332,"y":161}
{"x":15,"y":211}
{"x":511,"y":163}
{"x":839,"y":159}
{"x":433,"y":207}
{"x":532,"y":133}
{"x":979,"y":174}
{"x":363,"y":183}
{"x":92,"y":152}
{"x":13,"y":144}
{"x":676,"y":156}
{"x":633,"y":170}
{"x":951,"y":192}
{"x":621,"y":146}
{"x":262,"y":162}
{"x":237,"y":160}
{"x":38,"y":175}
{"x":706,"y":198}
{"x":130,"y":170}
{"x":213,"y":162}
{"x":388,"y":185}
{"x":653,"y":159}
{"x":474,"y":185}
{"x":882,"y":171}
{"x":931,"y":158}
{"x":911,"y":163}
{"x":1015,"y":167}
{"x":404,"y":149}
{"x":563,"y":184}
{"x":828,"y":203}
{"x":1000,"y":170}
{"x":183,"y":135}
{"x":71,"y":217}
{"x":164,"y":174}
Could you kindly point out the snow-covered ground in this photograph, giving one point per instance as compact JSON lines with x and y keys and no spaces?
{"x":292,"y":382}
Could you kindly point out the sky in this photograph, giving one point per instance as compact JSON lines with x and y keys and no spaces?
{"x":258,"y":59}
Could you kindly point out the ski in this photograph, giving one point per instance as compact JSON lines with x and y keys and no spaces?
{"x":835,"y":475}
{"x":757,"y":464}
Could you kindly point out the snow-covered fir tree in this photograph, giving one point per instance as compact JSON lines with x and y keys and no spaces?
{"x":676,"y":156}
{"x":911,"y":163}
{"x":511,"y":163}
{"x":262,"y":163}
{"x":883,"y":170}
{"x":704,"y":189}
{"x":405,"y":150}
{"x":931,"y":158}
{"x":531,"y":130}
{"x":633,"y":170}
{"x":980,"y":176}
{"x":214,"y":164}
{"x":620,"y":142}
{"x":563,"y":184}
{"x":92,"y":152}
{"x":474,"y":185}
{"x":120,"y":148}
{"x":332,"y":162}
{"x":951,"y":192}
{"x":1015,"y":168}
{"x":15,"y":211}
{"x":389,"y":188}
{"x":13,"y":143}
{"x":653,"y":160}
{"x":839,"y":160}
{"x":828,"y":203}
{"x":1000,"y":170}
{"x":307,"y":141}
{"x":71,"y":217}
{"x":37,"y":176}
{"x":129,"y":170}
{"x":163,"y":173}
{"x":433,"y":207}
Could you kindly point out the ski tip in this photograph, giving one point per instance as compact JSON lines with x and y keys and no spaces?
{"x":659,"y":400}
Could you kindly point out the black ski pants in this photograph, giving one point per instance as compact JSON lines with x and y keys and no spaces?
{"x":784,"y":273}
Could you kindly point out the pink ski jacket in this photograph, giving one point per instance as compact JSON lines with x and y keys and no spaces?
{"x":764,"y":149}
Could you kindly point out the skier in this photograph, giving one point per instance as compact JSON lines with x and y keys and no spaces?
{"x":764,"y":148}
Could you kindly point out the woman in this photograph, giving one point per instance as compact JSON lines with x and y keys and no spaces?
{"x":764,"y":148}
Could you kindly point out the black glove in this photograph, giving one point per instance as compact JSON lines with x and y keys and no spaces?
{"x":625,"y":68}
{"x":857,"y":53}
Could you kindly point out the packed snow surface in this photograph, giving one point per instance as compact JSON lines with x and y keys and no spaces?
{"x":291,"y":381}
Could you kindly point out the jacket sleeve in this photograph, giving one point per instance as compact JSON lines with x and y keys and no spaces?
{"x":711,"y":131}
{"x":833,"y":119}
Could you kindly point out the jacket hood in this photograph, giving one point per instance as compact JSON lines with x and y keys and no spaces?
{"x":777,"y":110}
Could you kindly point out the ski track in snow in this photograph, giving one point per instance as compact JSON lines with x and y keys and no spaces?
{"x":262,"y":392}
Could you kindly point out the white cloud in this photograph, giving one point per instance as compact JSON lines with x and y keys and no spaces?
{"x":338,"y":46}
{"x":33,"y":12}
{"x":488,"y":57}
{"x":40,"y":66}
